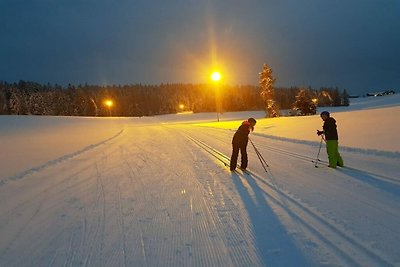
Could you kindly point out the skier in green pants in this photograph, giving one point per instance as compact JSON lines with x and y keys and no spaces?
{"x":331,"y":138}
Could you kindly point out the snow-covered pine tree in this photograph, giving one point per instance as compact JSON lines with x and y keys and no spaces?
{"x":267,"y":91}
{"x":304,"y":104}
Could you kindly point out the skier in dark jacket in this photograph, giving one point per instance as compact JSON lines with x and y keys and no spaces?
{"x":331,"y":139}
{"x":239,"y":143}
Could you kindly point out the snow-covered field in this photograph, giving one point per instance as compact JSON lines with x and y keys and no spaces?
{"x":156,"y":192}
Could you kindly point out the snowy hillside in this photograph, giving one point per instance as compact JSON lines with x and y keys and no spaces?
{"x":156,"y":191}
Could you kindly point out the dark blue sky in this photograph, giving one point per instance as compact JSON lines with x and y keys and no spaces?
{"x":351,"y":44}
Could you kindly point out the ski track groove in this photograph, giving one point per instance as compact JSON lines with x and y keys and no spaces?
{"x":222,"y":211}
{"x":89,"y":231}
{"x":232,"y":236}
{"x":327,"y":226}
{"x":61,"y":187}
{"x":66,"y":185}
{"x":53,"y":259}
{"x":39,"y":194}
{"x":232,"y":251}
{"x":302,"y":213}
{"x":216,"y":201}
{"x":57,"y":161}
{"x":143,"y":247}
{"x":86,"y":232}
{"x":131,"y":175}
{"x":101,"y":221}
{"x":209,"y":255}
{"x":306,"y":158}
{"x":120,"y":219}
{"x":23,"y":227}
{"x":148,"y":198}
{"x":363,"y":151}
{"x":71,"y":251}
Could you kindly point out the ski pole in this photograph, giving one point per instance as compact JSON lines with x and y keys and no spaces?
{"x":260,"y":157}
{"x":319,"y":150}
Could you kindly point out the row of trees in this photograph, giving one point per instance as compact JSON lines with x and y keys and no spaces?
{"x":300,"y":101}
{"x":31,"y":98}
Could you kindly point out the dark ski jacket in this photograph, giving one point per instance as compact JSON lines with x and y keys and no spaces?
{"x":330,"y":129}
{"x":241,"y":137}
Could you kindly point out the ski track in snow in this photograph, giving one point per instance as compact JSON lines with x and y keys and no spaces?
{"x":395,"y":179}
{"x":373,"y":152}
{"x":351,"y":250}
{"x":115,"y":203}
{"x":298,"y":211}
{"x":56,"y":161}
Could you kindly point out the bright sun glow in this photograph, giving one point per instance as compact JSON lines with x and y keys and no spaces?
{"x":216,"y":76}
{"x":108,"y":103}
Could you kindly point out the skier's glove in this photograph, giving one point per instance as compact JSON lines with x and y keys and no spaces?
{"x":319,"y":132}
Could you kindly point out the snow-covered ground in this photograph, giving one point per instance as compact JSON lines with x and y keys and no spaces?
{"x":156,"y":191}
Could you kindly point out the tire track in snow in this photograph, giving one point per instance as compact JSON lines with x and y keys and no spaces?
{"x":315,"y":222}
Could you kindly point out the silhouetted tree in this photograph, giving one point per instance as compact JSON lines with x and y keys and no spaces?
{"x":345,"y":98}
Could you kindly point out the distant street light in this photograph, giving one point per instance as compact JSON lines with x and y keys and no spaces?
{"x":216,"y":77}
{"x":109,"y":103}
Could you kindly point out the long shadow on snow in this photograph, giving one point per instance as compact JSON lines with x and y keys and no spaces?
{"x":392,"y":187}
{"x":275,"y":245}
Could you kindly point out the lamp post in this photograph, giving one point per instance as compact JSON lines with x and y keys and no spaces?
{"x":109,"y":103}
{"x":216,"y":77}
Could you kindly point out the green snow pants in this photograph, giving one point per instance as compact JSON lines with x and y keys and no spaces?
{"x":332,"y":148}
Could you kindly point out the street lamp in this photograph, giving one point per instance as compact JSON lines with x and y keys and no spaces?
{"x":109,"y":103}
{"x":216,"y":77}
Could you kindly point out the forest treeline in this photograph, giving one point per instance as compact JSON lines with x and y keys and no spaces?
{"x":31,"y":98}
